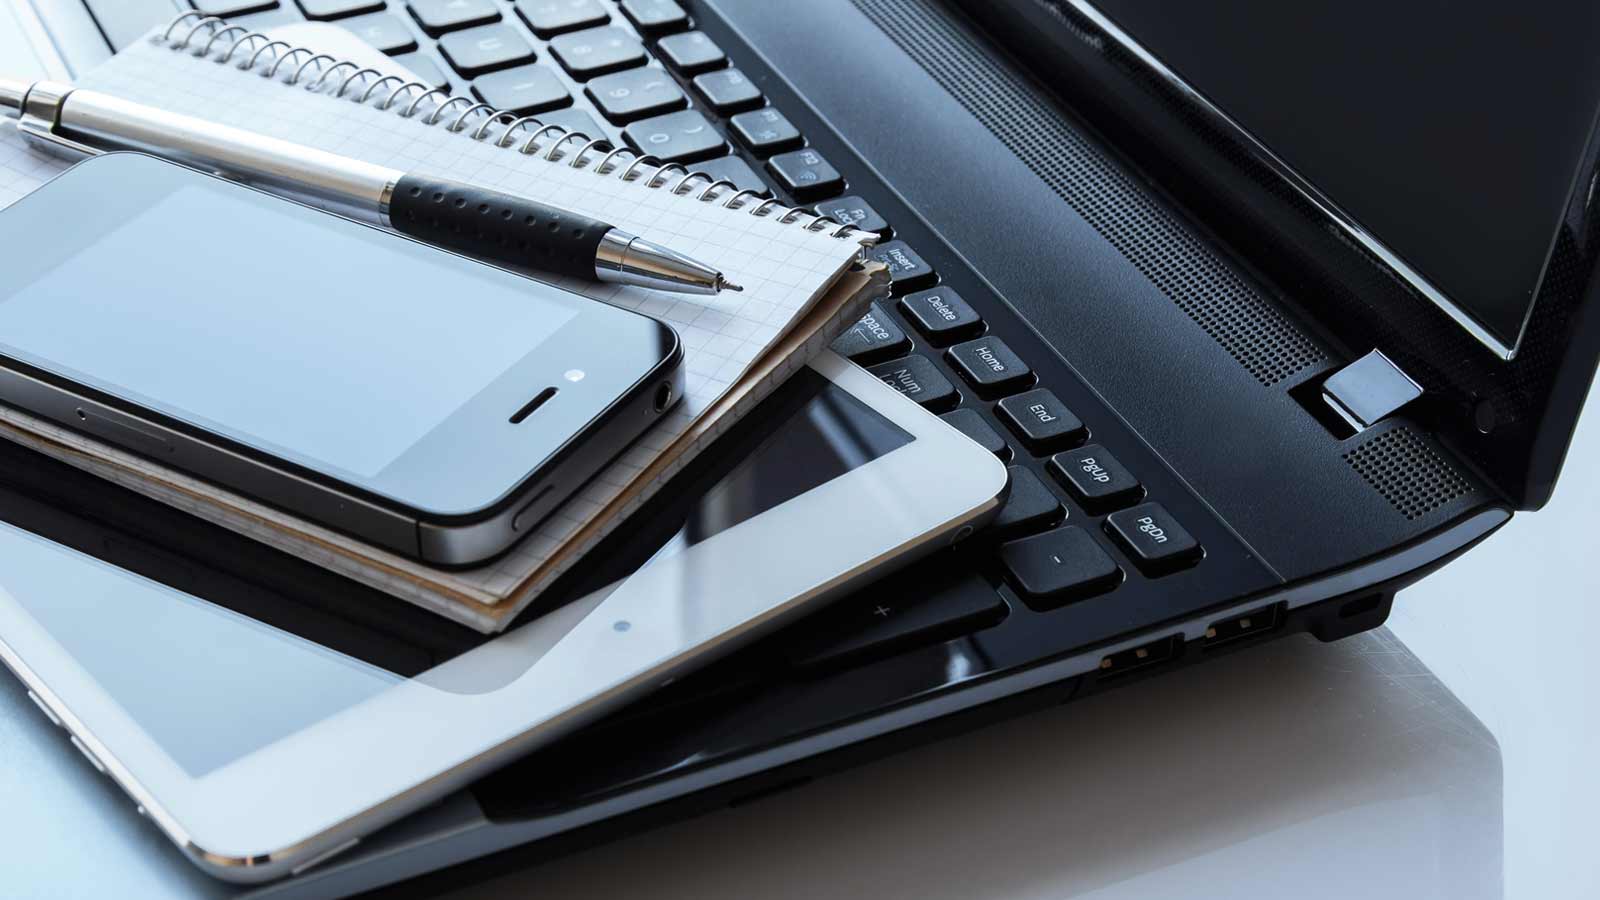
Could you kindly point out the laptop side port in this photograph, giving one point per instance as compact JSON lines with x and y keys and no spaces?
{"x":1144,"y":656}
{"x":1250,"y":624}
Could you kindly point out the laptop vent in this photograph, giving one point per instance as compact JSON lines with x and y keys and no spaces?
{"x":1176,"y":261}
{"x":1408,"y":472}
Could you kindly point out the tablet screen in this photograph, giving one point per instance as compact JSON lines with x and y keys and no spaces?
{"x":210,"y":685}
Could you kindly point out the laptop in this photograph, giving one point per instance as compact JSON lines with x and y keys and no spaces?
{"x":1272,"y":309}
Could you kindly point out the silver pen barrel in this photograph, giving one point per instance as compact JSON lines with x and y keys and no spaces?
{"x":73,"y":122}
{"x":76,"y":123}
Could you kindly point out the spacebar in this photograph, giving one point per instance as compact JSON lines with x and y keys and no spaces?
{"x":934,"y":601}
{"x":125,"y":21}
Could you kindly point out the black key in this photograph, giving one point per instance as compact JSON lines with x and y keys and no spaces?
{"x":337,"y":9}
{"x":907,"y":270}
{"x":676,"y":137}
{"x":873,"y":338}
{"x":805,"y":172}
{"x":597,"y":51}
{"x":488,"y":48}
{"x":691,"y":52}
{"x":1153,"y":538}
{"x":231,"y":7}
{"x":383,"y":31}
{"x":549,"y":18}
{"x":426,"y":70}
{"x":575,"y":121}
{"x":1030,"y":506}
{"x":636,"y":93}
{"x":941,"y":314}
{"x":1042,"y":420}
{"x":850,"y":210}
{"x":1059,"y":565}
{"x":915,"y":377}
{"x":523,"y":90}
{"x":969,"y":423}
{"x":765,"y":131}
{"x":736,"y":170}
{"x":1095,"y":478}
{"x":728,"y":90}
{"x":439,"y":16}
{"x":942,"y":598}
{"x":655,"y":16}
{"x":990,"y":366}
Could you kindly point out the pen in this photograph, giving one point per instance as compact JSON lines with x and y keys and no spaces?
{"x":489,"y":225}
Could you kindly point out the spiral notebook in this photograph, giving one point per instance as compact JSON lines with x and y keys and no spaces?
{"x":803,"y":278}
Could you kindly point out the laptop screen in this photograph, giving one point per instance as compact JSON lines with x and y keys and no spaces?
{"x":1450,"y":134}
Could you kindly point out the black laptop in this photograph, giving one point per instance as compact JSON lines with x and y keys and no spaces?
{"x":1308,"y":287}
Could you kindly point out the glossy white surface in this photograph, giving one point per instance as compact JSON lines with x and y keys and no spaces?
{"x":1294,"y":770}
{"x":1511,"y":629}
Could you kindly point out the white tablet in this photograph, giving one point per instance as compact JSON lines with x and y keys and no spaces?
{"x":261,"y":752}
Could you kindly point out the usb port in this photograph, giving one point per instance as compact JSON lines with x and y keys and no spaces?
{"x":1254,"y":622}
{"x":1141,"y":657}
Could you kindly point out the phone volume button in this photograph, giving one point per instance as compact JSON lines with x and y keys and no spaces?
{"x":128,"y":432}
{"x":525,"y":517}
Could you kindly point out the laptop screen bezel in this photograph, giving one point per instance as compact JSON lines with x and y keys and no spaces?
{"x":1511,"y":415}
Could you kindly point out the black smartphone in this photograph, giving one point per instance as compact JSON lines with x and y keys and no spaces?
{"x":414,"y":398}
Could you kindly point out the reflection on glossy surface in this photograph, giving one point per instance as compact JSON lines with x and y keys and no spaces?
{"x":1295,"y":769}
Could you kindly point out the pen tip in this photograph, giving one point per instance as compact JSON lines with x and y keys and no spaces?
{"x":728,"y":285}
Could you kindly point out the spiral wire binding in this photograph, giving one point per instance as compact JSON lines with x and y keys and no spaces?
{"x":269,"y":57}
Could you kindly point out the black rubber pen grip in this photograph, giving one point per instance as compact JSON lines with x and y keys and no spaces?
{"x":495,"y":227}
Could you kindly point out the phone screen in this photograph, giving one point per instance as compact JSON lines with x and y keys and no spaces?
{"x":270,"y":328}
{"x":376,"y":361}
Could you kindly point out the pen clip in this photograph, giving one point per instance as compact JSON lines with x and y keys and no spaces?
{"x":41,"y":113}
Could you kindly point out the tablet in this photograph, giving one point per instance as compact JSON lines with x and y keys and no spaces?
{"x":262,"y":744}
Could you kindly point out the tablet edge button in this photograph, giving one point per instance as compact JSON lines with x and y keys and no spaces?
{"x":48,"y":712}
{"x":93,"y":760}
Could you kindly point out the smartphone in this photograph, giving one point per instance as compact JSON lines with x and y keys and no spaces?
{"x":414,"y":398}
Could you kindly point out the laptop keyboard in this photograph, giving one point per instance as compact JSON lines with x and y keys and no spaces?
{"x":1078,"y":522}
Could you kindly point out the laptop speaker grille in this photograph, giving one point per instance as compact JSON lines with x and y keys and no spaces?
{"x":1249,"y":327}
{"x":1408,"y":472}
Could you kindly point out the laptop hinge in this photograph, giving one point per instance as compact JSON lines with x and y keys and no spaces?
{"x":1369,"y":390}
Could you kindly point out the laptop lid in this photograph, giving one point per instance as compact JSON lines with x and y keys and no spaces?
{"x":1419,"y":179}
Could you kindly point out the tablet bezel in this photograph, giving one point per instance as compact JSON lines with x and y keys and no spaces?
{"x":378,"y":760}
